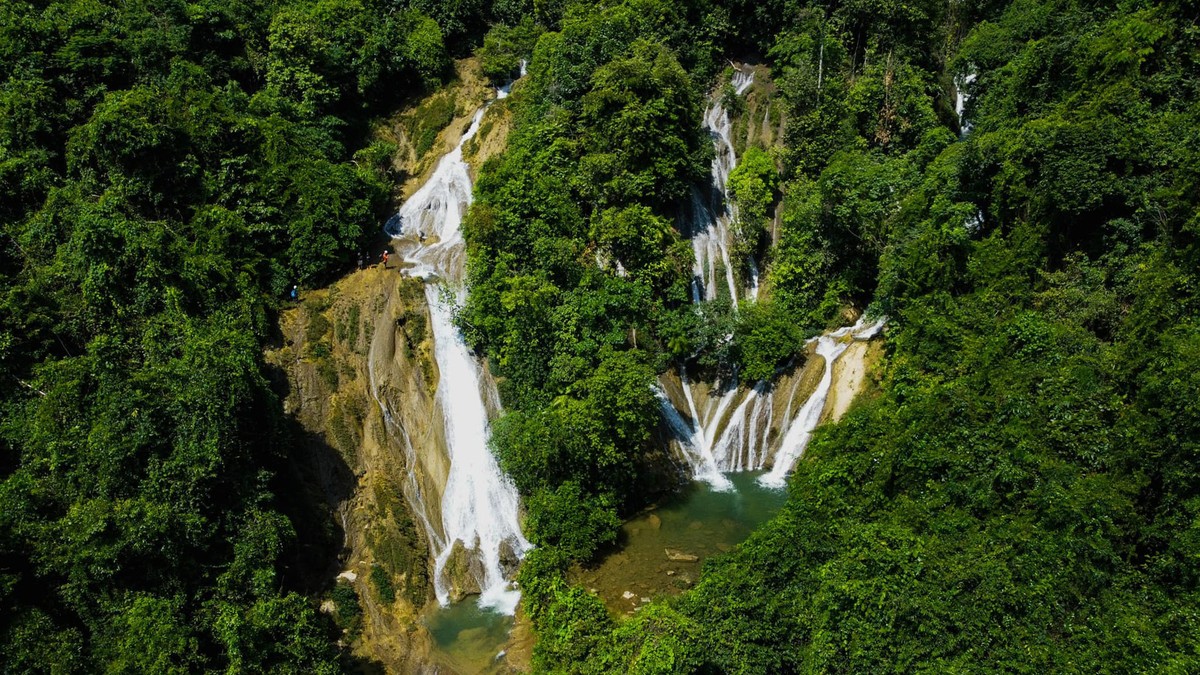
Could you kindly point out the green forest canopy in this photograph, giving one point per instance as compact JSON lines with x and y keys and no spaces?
{"x":1023,"y":494}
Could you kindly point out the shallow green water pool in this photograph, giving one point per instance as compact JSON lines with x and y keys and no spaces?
{"x":661,"y":550}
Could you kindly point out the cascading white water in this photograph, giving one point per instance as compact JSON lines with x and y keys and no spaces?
{"x":829,"y":347}
{"x":712,"y":215}
{"x":741,"y":81}
{"x":480,"y":506}
{"x":737,"y":428}
{"x":691,"y":437}
{"x":961,"y":83}
{"x":733,"y":429}
{"x":433,"y":215}
{"x":743,"y":444}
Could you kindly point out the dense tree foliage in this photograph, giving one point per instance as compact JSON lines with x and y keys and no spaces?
{"x":579,"y":276}
{"x":1021,"y":496}
{"x":167,"y":169}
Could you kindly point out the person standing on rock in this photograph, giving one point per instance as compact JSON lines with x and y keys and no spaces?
{"x":385,"y":258}
{"x":295,"y":293}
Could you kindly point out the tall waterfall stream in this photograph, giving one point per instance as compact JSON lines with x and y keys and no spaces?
{"x":479,"y":506}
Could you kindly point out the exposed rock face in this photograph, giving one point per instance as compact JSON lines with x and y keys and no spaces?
{"x":351,"y":355}
{"x":462,"y":572}
{"x":851,"y":374}
{"x":509,"y":561}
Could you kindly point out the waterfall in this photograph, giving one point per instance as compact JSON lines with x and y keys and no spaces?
{"x":961,"y":83}
{"x":748,"y":429}
{"x":829,"y":347}
{"x":741,"y":80}
{"x":712,"y":214}
{"x":744,"y":440}
{"x":479,"y":504}
{"x":699,"y":454}
{"x":433,"y":217}
{"x":740,"y":428}
{"x":503,"y":92}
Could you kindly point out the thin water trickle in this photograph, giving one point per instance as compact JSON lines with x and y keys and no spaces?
{"x":961,"y":84}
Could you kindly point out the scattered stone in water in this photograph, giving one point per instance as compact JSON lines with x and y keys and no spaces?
{"x":696,"y":525}
{"x":655,"y":521}
{"x":509,"y":560}
{"x":723,"y":547}
{"x":645,"y":600}
{"x":670,"y":573}
{"x":680,"y":556}
{"x":628,"y":595}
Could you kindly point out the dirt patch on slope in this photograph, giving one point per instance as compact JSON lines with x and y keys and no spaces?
{"x":852,"y":373}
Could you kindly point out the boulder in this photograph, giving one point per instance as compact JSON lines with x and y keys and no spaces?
{"x":676,"y":555}
{"x":509,"y":561}
{"x":460,"y":569}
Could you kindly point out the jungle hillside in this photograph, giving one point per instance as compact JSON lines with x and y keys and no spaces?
{"x":1013,"y":184}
